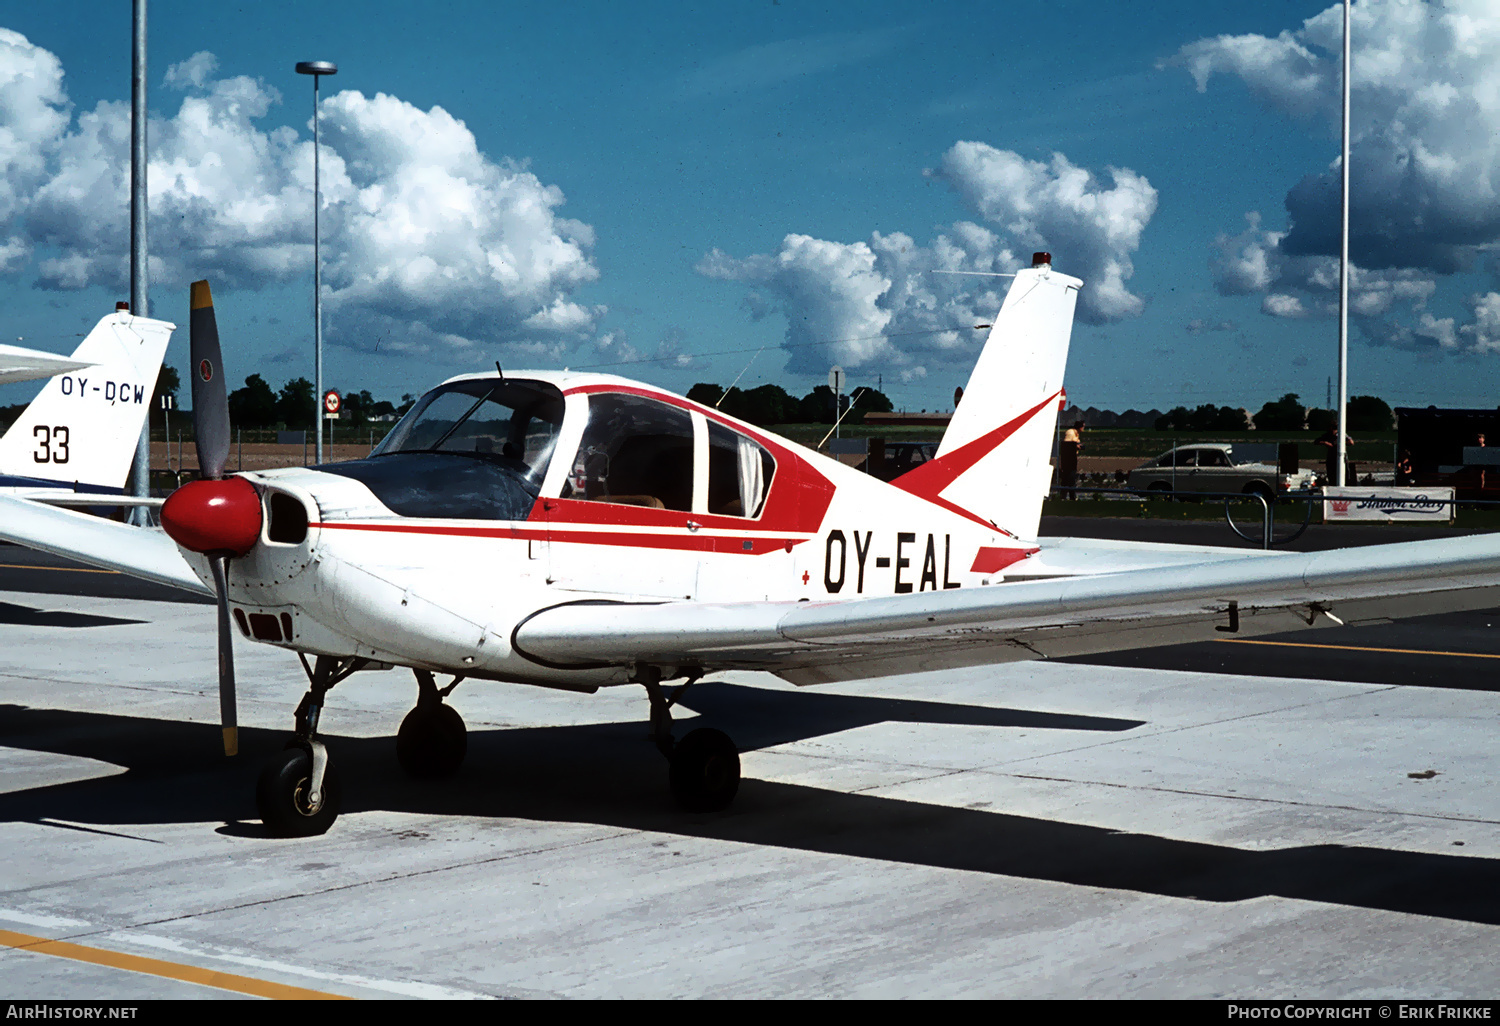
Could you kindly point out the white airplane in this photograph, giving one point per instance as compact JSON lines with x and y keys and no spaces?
{"x":579,"y":531}
{"x":74,"y":444}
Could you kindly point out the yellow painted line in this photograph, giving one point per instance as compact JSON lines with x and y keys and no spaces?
{"x":166,"y":970}
{"x":63,"y":569}
{"x":1361,"y":648}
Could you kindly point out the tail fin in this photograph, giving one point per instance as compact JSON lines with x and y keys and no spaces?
{"x":83,"y":428}
{"x":995,"y":458}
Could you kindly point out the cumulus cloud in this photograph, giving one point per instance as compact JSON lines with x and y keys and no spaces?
{"x":1387,"y":303}
{"x":887,"y":303}
{"x":34,"y":112}
{"x":1424,"y":163}
{"x":1425,"y":129}
{"x":1056,"y":205}
{"x":428,"y":243}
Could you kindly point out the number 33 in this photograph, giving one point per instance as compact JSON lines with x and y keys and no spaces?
{"x":51,"y":444}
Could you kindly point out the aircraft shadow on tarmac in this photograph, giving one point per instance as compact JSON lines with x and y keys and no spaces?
{"x":608,"y":774}
{"x":26,"y":616}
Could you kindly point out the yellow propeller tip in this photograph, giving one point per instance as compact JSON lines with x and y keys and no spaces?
{"x":201,"y":297}
{"x":231,"y":741}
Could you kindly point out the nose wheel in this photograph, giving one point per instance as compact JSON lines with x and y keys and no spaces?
{"x":298,"y":793}
{"x":289,"y":803}
{"x":432,"y":741}
{"x":704,"y":767}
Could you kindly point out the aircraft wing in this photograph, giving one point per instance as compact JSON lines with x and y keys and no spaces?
{"x":809,"y":643}
{"x":17,"y":364}
{"x":145,"y":553}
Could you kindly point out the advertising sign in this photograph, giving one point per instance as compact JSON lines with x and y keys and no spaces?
{"x":1347,"y":505}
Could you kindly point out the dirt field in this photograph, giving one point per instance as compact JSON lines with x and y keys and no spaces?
{"x":251,"y":456}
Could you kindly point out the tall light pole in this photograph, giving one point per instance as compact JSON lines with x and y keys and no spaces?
{"x":1343,"y":438}
{"x":317,"y":69}
{"x":140,"y":471}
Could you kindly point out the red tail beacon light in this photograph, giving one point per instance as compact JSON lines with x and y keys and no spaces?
{"x":1041,"y":259}
{"x":214,"y":516}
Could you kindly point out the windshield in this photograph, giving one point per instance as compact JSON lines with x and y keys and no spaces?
{"x":512,"y":424}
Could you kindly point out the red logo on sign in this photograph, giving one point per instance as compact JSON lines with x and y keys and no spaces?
{"x":1340,"y":506}
{"x":205,"y":370}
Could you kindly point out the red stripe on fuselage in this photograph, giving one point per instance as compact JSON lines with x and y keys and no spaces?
{"x":682,"y":542}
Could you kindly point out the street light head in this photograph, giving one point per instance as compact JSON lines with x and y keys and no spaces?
{"x":317,"y":68}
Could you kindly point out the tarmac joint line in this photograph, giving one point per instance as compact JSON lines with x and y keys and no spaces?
{"x":162,"y":968}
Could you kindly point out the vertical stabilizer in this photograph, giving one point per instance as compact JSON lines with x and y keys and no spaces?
{"x":84,"y":426}
{"x":995,"y":458}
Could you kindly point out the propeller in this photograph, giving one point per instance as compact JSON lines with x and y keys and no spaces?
{"x":218,"y":517}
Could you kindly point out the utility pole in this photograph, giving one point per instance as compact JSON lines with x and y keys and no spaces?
{"x":317,"y":69}
{"x":1343,"y":439}
{"x":140,"y":471}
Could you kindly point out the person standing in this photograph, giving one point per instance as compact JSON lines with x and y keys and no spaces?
{"x":1330,"y":441}
{"x":1067,"y":458}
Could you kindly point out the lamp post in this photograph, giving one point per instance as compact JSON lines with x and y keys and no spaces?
{"x":1343,"y":439}
{"x":140,"y":471}
{"x":317,"y":69}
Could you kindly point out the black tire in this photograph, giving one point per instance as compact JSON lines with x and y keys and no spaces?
{"x":705,"y":770}
{"x":432,"y":742}
{"x":1257,"y":488}
{"x":1158,"y":489}
{"x":281,"y":795}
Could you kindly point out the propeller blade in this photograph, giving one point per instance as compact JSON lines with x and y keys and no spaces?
{"x":227,"y":714}
{"x":210,"y":402}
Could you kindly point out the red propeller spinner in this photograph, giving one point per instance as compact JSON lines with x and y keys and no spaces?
{"x":213,"y":516}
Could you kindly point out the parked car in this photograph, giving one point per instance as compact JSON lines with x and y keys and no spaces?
{"x":903,"y":456}
{"x":1212,"y":467}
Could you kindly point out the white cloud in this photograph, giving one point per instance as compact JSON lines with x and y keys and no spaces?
{"x":1484,"y":333}
{"x":883,"y":304}
{"x":1092,"y":230}
{"x":1425,"y":161}
{"x":34,"y":112}
{"x":428,"y":243}
{"x":193,"y":73}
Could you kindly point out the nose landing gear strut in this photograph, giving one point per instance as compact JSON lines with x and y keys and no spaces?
{"x":298,"y":793}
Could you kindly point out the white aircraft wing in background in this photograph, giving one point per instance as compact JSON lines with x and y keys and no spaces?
{"x":18,"y":364}
{"x":146,"y":553}
{"x":810,"y":643}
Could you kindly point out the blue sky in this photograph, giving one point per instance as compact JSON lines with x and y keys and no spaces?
{"x":612,"y":182}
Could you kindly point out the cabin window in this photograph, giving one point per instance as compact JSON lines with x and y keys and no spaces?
{"x":739,"y":473}
{"x":512,"y":424}
{"x":1212,"y":458}
{"x":634,"y":452}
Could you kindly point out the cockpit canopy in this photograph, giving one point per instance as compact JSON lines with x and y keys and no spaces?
{"x":475,"y":449}
{"x":480,"y":449}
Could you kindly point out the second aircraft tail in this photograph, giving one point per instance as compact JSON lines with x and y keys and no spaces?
{"x":83,"y":429}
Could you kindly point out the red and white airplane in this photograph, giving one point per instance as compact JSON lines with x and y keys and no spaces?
{"x":578,"y":531}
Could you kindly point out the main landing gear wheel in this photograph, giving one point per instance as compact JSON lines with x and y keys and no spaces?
{"x":705,"y":770}
{"x":285,"y":800}
{"x":432,"y":741}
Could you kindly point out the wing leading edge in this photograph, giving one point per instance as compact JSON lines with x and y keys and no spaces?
{"x":147,"y":554}
{"x":809,"y":643}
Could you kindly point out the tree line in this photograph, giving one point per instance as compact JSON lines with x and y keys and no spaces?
{"x":767,"y":405}
{"x":1366,"y":413}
